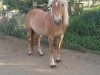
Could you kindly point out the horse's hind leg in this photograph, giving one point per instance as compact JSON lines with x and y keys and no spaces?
{"x":59,"y":43}
{"x":39,"y":45}
{"x":30,"y":35}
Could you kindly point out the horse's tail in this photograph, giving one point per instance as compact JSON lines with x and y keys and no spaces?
{"x":30,"y":36}
{"x":30,"y":33}
{"x":27,"y":20}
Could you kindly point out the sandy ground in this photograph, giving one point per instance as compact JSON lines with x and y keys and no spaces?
{"x":15,"y":61}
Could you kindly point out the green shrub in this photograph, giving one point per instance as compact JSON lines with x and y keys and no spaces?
{"x":84,"y":32}
{"x":87,"y":23}
{"x":42,"y":1}
{"x":10,"y":27}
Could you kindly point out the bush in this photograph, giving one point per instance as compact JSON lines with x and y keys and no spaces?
{"x":87,"y":23}
{"x":84,"y":32}
{"x":10,"y":27}
{"x":42,"y":1}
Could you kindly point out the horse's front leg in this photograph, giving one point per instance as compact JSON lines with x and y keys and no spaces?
{"x":52,"y":63}
{"x":30,"y":35}
{"x":39,"y":45}
{"x":59,"y":43}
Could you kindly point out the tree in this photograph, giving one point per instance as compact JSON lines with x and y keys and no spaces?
{"x":42,"y":1}
{"x":23,"y":5}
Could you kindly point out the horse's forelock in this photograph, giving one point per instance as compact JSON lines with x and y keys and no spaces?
{"x":50,"y":2}
{"x":61,"y":1}
{"x":65,"y":2}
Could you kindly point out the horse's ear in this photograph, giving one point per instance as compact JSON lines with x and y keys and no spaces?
{"x":55,"y":0}
{"x":62,"y":4}
{"x":50,"y":2}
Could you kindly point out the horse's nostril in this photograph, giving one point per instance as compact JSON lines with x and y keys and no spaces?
{"x":58,"y":21}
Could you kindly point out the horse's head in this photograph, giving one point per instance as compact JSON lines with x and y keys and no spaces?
{"x":56,"y":10}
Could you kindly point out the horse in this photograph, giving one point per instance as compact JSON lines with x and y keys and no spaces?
{"x":51,"y":24}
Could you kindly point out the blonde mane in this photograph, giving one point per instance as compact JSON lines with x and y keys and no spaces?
{"x":66,"y":16}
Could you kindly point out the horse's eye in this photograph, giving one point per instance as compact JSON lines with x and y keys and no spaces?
{"x":62,"y":5}
{"x":50,"y":5}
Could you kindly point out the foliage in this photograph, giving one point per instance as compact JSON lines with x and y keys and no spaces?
{"x":1,"y":6}
{"x":10,"y":27}
{"x":42,"y":1}
{"x":23,"y":5}
{"x":84,"y":32}
{"x":87,"y":23}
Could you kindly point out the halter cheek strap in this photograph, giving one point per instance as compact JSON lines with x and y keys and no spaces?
{"x":50,"y":10}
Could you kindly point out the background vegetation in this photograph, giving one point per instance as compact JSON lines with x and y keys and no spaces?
{"x":83,"y":33}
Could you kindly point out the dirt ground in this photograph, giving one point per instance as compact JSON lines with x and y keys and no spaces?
{"x":15,"y":61}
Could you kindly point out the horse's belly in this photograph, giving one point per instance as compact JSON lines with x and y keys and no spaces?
{"x":39,"y":30}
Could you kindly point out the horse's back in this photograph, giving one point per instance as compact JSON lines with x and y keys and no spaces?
{"x":34,"y":14}
{"x":35,"y":20}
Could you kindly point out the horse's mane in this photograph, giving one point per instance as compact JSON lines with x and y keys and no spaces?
{"x":65,"y":2}
{"x":61,"y":1}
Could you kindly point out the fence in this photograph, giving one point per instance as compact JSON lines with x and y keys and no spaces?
{"x":83,"y":33}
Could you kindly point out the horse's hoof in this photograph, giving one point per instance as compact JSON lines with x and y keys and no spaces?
{"x":58,"y":61}
{"x":29,"y":54}
{"x":53,"y":66}
{"x":41,"y":55}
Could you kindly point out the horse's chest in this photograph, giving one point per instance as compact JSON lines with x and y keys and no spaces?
{"x":58,"y":32}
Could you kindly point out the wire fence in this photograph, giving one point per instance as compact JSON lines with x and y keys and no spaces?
{"x":83,"y":33}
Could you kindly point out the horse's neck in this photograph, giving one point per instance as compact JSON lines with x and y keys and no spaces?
{"x":50,"y":16}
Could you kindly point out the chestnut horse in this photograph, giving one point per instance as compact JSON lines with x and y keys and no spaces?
{"x":51,"y":24}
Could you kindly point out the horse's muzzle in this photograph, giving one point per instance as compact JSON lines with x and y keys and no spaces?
{"x":57,"y":21}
